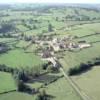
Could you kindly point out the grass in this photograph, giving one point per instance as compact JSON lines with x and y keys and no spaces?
{"x":35,"y":85}
{"x":61,"y":90}
{"x":22,"y":43}
{"x":90,"y":39}
{"x":6,"y":82}
{"x":6,"y":39}
{"x":85,"y":29}
{"x":16,"y":96}
{"x":18,"y":58}
{"x":89,"y":82}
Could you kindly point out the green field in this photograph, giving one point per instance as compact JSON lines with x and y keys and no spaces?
{"x":6,"y":82}
{"x":72,"y":59}
{"x":89,"y":82}
{"x":18,"y":58}
{"x":61,"y":90}
{"x":16,"y":96}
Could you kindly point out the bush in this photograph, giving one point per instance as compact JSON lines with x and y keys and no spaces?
{"x":42,"y":96}
{"x":21,"y":86}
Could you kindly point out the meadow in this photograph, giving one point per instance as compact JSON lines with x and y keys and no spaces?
{"x":89,"y":82}
{"x":6,"y":82}
{"x":61,"y":90}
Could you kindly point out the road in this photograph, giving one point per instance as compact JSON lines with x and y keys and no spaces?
{"x":83,"y":95}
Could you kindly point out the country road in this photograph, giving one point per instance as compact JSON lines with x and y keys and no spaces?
{"x":82,"y":94}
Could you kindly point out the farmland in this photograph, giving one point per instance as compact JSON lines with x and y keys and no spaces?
{"x":86,"y":83}
{"x":36,"y":41}
{"x":16,"y":59}
{"x":6,"y":82}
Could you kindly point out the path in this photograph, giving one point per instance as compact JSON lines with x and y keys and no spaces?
{"x":83,"y":95}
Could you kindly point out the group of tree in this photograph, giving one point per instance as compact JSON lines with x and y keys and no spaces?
{"x":3,"y":48}
{"x":23,"y":87}
{"x":23,"y":74}
{"x":84,"y":66}
{"x":50,"y":28}
{"x":42,"y":95}
{"x":7,"y":27}
{"x":30,"y":24}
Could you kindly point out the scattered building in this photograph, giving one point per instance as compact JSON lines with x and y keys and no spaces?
{"x":46,"y":54}
{"x":84,"y":45}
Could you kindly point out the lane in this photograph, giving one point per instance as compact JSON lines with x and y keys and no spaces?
{"x":82,"y":94}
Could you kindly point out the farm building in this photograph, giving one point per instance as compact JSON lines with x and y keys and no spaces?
{"x":84,"y":45}
{"x":46,"y":54}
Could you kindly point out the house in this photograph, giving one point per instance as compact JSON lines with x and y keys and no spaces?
{"x":84,"y":45}
{"x":56,"y":47}
{"x":46,"y":54}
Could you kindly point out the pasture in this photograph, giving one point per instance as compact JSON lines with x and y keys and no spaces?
{"x":7,"y":83}
{"x":18,"y":58}
{"x":61,"y":90}
{"x":16,"y":96}
{"x":89,"y":82}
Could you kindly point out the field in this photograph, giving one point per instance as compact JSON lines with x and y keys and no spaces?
{"x":6,"y":82}
{"x":16,"y":96}
{"x":72,"y":59}
{"x":17,"y":58}
{"x":62,"y":90}
{"x":89,"y":82}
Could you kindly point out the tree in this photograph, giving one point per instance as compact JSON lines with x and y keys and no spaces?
{"x":50,"y":28}
{"x":6,"y":28}
{"x":57,"y":19}
{"x":42,"y":96}
{"x":21,"y":86}
{"x":34,"y":27}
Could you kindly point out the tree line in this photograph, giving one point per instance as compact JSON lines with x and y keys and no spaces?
{"x":83,"y":67}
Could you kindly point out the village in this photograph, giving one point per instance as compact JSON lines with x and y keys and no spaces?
{"x":47,"y":46}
